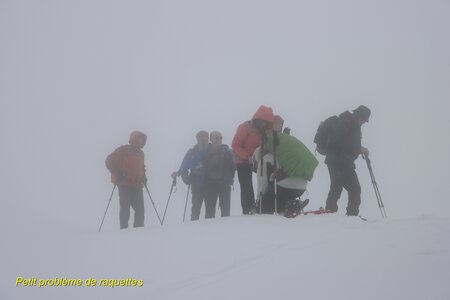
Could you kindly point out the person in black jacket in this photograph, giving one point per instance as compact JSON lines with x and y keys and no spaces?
{"x":343,"y":149}
{"x":219,"y":176}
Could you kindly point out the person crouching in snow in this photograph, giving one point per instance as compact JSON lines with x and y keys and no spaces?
{"x":286,"y":160}
{"x":127,"y":168}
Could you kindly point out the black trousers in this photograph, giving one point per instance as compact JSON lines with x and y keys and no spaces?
{"x":217,"y":189}
{"x":198,"y":197}
{"x":344,"y":177}
{"x":245,"y":172}
{"x":131,"y":197}
{"x":283,"y":196}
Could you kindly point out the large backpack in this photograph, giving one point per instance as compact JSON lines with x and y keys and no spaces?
{"x":323,"y":134}
{"x":218,"y":164}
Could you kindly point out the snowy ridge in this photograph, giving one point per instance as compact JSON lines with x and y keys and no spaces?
{"x":244,"y":257}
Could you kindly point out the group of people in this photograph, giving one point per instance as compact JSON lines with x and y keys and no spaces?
{"x":283,"y":164}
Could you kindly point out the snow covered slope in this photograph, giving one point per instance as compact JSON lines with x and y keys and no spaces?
{"x":243,"y":257}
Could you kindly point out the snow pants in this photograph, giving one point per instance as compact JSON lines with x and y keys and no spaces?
{"x":217,"y":189}
{"x":343,"y":177}
{"x":283,"y":196}
{"x":198,"y":197}
{"x":131,"y":197}
{"x":245,"y":173}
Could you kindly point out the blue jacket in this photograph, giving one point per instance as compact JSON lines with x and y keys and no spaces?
{"x":192,"y":172}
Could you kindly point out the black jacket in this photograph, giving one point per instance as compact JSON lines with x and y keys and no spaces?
{"x":345,"y":142}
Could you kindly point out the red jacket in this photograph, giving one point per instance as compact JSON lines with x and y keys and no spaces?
{"x":247,"y":137}
{"x":128,"y":160}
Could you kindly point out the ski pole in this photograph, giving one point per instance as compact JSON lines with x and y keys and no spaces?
{"x":185,"y":205}
{"x":261,"y":174}
{"x":153,"y":203}
{"x":375,"y":187}
{"x":109,"y":202}
{"x":174,"y":183}
{"x":276,"y":142}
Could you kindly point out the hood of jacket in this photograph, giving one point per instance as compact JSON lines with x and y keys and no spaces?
{"x":264,"y":113}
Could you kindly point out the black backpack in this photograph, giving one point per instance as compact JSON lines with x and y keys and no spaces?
{"x":323,"y":134}
{"x":219,"y":164}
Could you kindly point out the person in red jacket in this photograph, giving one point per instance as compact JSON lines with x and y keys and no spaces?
{"x":248,"y":137}
{"x":127,"y":168}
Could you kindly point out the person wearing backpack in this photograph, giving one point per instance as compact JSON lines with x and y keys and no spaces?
{"x":194,"y":175}
{"x":248,"y":137}
{"x":127,"y":168}
{"x":219,"y":176}
{"x":342,"y":148}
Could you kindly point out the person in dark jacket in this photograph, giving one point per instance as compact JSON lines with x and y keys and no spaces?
{"x":127,"y":168}
{"x":194,"y":176}
{"x":219,"y":176}
{"x":343,"y":149}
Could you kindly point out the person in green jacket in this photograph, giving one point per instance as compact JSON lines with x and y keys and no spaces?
{"x":293,"y":167}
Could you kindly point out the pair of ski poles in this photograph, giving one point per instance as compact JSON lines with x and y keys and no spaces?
{"x":161,"y":221}
{"x":276,"y":142}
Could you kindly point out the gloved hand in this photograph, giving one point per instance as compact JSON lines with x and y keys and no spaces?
{"x":364,"y":151}
{"x":144,"y":179}
{"x":186,"y":179}
{"x":279,"y":174}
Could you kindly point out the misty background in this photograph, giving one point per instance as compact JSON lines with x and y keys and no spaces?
{"x":76,"y":77}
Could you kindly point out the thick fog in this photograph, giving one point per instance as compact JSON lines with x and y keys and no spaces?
{"x":76,"y":77}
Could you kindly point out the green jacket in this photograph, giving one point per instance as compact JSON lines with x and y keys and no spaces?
{"x":293,"y":156}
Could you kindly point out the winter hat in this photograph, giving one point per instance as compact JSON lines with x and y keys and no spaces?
{"x":362,"y":112}
{"x":138,"y":139}
{"x":201,"y":133}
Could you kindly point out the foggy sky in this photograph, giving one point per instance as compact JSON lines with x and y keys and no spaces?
{"x":76,"y":77}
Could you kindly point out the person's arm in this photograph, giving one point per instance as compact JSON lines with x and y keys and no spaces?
{"x":190,"y":162}
{"x":230,"y":159}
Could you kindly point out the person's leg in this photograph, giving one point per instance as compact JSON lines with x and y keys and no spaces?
{"x":137,"y":203}
{"x":225,"y":199}
{"x":125,"y":202}
{"x":268,"y":200}
{"x":335,"y":188}
{"x":197,"y":199}
{"x":211,"y":193}
{"x":286,"y":195}
{"x":351,"y":184}
{"x":245,"y":180}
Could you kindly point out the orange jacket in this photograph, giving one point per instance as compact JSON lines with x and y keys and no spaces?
{"x":128,"y":161}
{"x":247,"y":137}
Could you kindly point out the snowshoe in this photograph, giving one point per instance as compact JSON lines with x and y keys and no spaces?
{"x":319,"y":211}
{"x":254,"y":209}
{"x":294,"y":207}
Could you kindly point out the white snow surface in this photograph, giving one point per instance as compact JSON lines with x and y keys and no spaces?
{"x":241,"y":257}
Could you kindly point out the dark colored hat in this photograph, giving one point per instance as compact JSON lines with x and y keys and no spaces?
{"x":362,"y":112}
